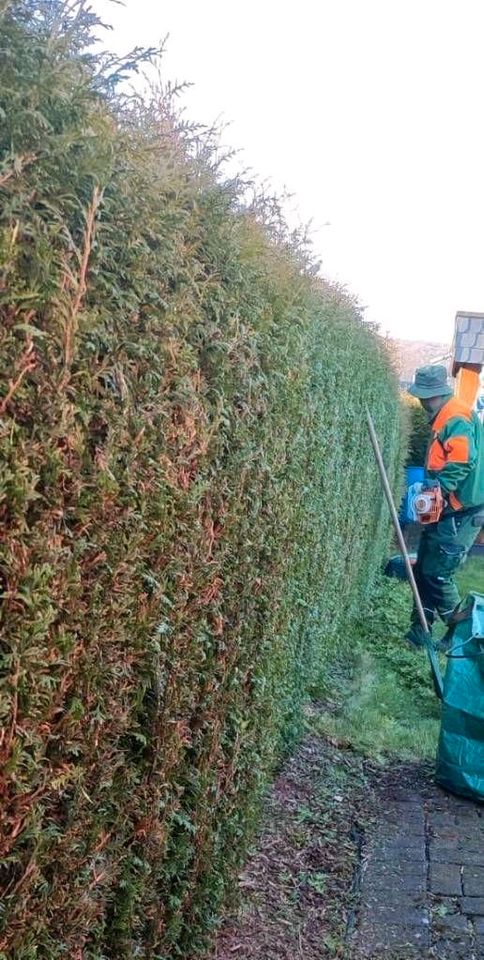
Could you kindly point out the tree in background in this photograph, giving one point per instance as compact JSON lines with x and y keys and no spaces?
{"x":419,"y":433}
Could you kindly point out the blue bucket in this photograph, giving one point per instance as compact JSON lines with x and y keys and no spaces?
{"x":412,"y":475}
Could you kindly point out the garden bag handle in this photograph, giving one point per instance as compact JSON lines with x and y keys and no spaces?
{"x":433,"y":659}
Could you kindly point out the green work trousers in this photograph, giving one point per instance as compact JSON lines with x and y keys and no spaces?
{"x":443,"y":548}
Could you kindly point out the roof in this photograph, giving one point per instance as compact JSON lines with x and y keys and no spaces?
{"x":469,"y":338}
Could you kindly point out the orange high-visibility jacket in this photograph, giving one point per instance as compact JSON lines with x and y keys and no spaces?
{"x":455,"y":456}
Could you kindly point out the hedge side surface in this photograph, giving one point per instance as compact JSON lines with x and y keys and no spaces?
{"x":189,"y":508}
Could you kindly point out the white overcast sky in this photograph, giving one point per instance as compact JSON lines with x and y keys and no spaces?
{"x":370,"y":112}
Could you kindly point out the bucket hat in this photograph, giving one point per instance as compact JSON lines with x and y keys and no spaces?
{"x":430,"y":381}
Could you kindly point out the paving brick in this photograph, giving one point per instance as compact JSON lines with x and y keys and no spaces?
{"x":403,"y":796}
{"x":473,"y":881}
{"x":451,"y":924}
{"x":445,"y":879}
{"x":442,"y":853}
{"x":471,"y":845}
{"x":448,"y":836}
{"x":463,"y":803}
{"x":413,"y":833}
{"x":403,"y":813}
{"x":447,"y":842}
{"x":397,"y":890}
{"x":442,"y":821}
{"x":378,"y":940}
{"x":407,"y":868}
{"x":401,"y":841}
{"x":389,"y":884}
{"x":394,"y":852}
{"x":393,"y":828}
{"x":478,"y":949}
{"x":453,"y":950}
{"x":397,"y":914}
{"x":474,"y":906}
{"x":439,"y":854}
{"x":471,"y":837}
{"x":393,"y":902}
{"x":439,"y":799}
{"x":479,"y":926}
{"x":466,"y":810}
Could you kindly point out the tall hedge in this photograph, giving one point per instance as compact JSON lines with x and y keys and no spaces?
{"x":189,"y":506}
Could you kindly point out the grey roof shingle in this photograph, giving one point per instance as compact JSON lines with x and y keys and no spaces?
{"x":469,"y":338}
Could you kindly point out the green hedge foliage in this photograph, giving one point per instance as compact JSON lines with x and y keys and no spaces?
{"x":190,"y":509}
{"x":419,"y":432}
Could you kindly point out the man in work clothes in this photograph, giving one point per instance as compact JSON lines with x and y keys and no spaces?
{"x":455,"y":460}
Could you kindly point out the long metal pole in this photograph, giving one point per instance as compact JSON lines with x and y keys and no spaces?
{"x":396,"y":523}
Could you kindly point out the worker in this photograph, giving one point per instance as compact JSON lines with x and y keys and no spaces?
{"x":455,"y":460}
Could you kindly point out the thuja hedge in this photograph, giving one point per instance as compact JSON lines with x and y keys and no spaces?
{"x":189,"y":506}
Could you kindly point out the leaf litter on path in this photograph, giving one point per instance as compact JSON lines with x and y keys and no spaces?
{"x":297,"y":893}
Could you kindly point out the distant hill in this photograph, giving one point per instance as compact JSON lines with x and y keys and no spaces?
{"x":409,"y":354}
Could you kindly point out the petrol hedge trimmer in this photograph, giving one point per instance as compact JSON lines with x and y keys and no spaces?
{"x":425,"y":502}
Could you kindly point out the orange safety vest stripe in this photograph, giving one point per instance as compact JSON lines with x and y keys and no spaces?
{"x":457,"y":449}
{"x":436,"y":458}
{"x":454,"y":450}
{"x":455,"y":502}
{"x":453,"y":408}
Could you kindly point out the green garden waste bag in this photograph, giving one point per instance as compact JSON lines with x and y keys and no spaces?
{"x":460,"y":754}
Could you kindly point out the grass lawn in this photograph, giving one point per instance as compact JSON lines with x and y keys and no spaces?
{"x":471,"y":575}
{"x":379,"y":696}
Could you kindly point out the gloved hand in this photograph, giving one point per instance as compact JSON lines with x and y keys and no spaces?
{"x":435,"y":485}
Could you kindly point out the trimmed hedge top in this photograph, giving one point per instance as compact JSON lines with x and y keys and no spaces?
{"x":189,"y":506}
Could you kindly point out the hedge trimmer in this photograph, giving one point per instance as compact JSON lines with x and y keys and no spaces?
{"x":425,"y":502}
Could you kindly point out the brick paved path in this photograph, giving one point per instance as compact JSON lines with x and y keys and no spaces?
{"x":422,"y":883}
